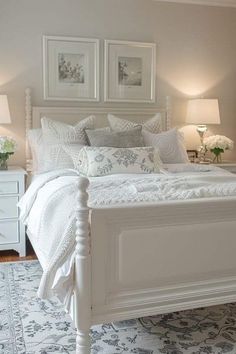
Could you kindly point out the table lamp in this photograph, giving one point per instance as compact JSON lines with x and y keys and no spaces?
{"x":5,"y":117}
{"x":201,"y":112}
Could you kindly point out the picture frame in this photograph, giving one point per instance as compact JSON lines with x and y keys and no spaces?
{"x":129,"y":71}
{"x":192,"y":155}
{"x":70,"y":68}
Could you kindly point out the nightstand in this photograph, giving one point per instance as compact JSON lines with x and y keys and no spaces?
{"x":229,"y":166}
{"x":12,"y":231}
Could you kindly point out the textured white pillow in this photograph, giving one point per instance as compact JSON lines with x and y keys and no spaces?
{"x":170,"y":145}
{"x":57,"y":134}
{"x":35,"y":139}
{"x":100,"y":161}
{"x":153,"y":125}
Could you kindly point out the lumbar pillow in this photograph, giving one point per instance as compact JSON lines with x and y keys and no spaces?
{"x":170,"y":145}
{"x":129,"y":138}
{"x":56,"y":134}
{"x":100,"y":161}
{"x":153,"y":125}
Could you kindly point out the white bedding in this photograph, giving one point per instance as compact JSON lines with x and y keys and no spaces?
{"x":47,"y":209}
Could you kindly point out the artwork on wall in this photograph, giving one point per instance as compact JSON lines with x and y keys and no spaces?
{"x":129,"y":71}
{"x":71,"y":68}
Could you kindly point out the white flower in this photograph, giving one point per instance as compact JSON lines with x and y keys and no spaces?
{"x":7,"y":145}
{"x":218,"y":141}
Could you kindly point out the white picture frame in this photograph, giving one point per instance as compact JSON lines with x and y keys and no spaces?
{"x":129,"y":71}
{"x":71,"y":68}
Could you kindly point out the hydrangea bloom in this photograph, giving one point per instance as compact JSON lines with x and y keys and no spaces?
{"x":7,"y":145}
{"x":218,"y":142}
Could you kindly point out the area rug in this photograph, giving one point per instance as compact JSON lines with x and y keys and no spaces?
{"x":29,"y":325}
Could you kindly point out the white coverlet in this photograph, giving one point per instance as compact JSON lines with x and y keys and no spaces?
{"x":47,"y":209}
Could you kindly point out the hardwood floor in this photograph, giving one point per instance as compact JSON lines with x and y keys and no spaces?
{"x":13,"y":256}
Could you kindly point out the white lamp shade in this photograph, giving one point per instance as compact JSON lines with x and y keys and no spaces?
{"x":5,"y":117}
{"x":203,"y":111}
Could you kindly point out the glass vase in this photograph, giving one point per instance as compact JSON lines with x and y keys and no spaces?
{"x":217,"y":158}
{"x":3,"y":164}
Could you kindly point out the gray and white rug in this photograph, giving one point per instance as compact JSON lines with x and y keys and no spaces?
{"x":29,"y":325}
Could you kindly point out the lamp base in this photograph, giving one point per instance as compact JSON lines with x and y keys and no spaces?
{"x":201,"y":129}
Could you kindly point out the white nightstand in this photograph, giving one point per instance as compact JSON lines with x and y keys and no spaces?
{"x":12,"y":231}
{"x":229,"y":166}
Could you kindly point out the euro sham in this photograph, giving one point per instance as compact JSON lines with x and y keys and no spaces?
{"x":153,"y":125}
{"x":56,"y":134}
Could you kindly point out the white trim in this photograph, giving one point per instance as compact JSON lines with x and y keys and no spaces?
{"x":162,"y":308}
{"x":222,"y":3}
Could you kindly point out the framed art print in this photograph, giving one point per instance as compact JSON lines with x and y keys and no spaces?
{"x":130,"y":73}
{"x":71,"y":68}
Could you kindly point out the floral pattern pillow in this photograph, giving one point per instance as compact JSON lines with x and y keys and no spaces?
{"x":100,"y":161}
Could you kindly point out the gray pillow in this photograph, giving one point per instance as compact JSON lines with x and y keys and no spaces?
{"x":130,"y":138}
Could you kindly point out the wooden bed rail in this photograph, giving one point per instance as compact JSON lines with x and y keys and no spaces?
{"x":83,"y":276}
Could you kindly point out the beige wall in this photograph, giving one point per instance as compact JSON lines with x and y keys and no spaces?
{"x":196,"y":50}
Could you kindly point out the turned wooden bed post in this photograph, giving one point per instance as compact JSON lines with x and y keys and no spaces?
{"x":28,"y":126}
{"x":82,"y":270}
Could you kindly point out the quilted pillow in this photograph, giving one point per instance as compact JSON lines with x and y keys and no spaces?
{"x":130,"y":138}
{"x":100,"y":161}
{"x":153,"y":125}
{"x":56,"y":134}
{"x":170,"y":145}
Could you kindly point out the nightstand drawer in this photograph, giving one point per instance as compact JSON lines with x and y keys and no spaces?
{"x":9,"y":232}
{"x":8,"y":207}
{"x":10,"y":187}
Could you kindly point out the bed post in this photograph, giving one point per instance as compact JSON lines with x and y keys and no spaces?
{"x":82,"y":270}
{"x":28,"y":126}
{"x":168,"y":112}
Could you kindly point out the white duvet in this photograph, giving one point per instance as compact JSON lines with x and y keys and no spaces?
{"x":47,"y":208}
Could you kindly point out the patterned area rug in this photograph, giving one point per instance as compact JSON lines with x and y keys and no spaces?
{"x":31,"y":326}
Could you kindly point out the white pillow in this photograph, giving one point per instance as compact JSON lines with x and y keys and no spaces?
{"x":35,"y":139}
{"x":56,"y":134}
{"x":153,"y":125}
{"x":170,"y":145}
{"x":100,"y":161}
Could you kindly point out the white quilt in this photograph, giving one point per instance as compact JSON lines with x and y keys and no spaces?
{"x":47,"y":208}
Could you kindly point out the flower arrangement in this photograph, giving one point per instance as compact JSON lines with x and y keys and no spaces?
{"x":217,"y":144}
{"x":7,"y":148}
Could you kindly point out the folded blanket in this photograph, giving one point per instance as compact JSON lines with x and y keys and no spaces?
{"x":177,"y":188}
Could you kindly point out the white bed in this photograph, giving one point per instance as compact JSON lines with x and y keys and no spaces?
{"x":133,"y":260}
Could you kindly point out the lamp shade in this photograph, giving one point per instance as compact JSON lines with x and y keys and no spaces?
{"x":5,"y":117}
{"x":203,"y":111}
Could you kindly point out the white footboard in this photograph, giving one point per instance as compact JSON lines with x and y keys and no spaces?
{"x":145,"y":260}
{"x":157,"y":259}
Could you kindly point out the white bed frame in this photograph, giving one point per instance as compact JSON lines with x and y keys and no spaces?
{"x":146,"y":259}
